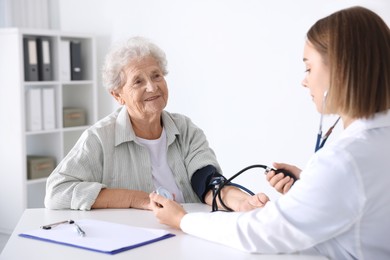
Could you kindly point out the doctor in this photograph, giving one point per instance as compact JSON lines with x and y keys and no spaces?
{"x":340,"y":206}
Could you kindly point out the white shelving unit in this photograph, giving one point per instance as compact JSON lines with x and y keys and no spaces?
{"x":17,"y":192}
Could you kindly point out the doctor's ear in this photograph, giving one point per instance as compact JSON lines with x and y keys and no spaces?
{"x":118,"y":97}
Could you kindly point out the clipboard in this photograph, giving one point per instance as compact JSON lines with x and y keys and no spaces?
{"x":101,"y":236}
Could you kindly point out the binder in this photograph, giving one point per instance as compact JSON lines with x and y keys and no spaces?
{"x":30,"y":59}
{"x":75,"y":60}
{"x":44,"y":59}
{"x":48,"y":101}
{"x":65,"y":60}
{"x":34,"y":109}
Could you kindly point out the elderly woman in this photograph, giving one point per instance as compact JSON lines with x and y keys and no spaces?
{"x":118,"y":161}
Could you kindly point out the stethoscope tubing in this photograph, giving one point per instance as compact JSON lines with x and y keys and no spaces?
{"x":322,"y":139}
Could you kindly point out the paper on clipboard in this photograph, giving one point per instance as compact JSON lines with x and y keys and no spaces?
{"x":101,"y":236}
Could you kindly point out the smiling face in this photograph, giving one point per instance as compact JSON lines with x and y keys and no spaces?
{"x":145,"y":93}
{"x":317,"y":78}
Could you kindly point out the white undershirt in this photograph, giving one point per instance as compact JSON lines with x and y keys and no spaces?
{"x":162,"y":174}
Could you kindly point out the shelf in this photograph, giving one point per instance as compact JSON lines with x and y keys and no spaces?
{"x":36,"y":181}
{"x":50,"y":139}
{"x":75,"y":128}
{"x":41,"y":83}
{"x":43,"y":132}
{"x":77,"y":82}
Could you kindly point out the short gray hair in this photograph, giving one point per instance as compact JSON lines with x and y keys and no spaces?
{"x":114,"y":76}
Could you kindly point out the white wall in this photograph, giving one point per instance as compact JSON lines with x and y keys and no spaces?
{"x":25,"y":13}
{"x":235,"y":68}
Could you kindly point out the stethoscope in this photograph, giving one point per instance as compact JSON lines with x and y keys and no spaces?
{"x":322,"y":139}
{"x":219,"y":182}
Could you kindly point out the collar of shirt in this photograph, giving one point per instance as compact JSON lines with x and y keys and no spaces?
{"x":379,"y":120}
{"x":124,"y":131}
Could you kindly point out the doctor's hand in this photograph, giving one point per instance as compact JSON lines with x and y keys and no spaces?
{"x":167,"y":211}
{"x":278,"y":181}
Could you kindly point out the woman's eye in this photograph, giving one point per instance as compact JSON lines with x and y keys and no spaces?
{"x":137,"y":83}
{"x":307,"y":70}
{"x":157,"y":76}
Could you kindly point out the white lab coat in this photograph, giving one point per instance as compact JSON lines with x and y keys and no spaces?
{"x":339,"y":208}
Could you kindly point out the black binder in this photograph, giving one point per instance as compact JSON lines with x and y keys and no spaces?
{"x":44,"y":59}
{"x":75,"y":60}
{"x":30,"y":59}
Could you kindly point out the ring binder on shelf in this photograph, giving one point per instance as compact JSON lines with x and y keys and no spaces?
{"x":34,"y":109}
{"x":48,"y":108}
{"x":75,"y":60}
{"x":44,"y":59}
{"x":65,"y":60}
{"x":30,"y":59}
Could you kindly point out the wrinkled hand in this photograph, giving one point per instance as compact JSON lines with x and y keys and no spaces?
{"x":167,"y":211}
{"x":278,"y":181}
{"x":253,"y":202}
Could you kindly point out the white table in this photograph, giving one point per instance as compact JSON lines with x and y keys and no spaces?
{"x":182,"y":246}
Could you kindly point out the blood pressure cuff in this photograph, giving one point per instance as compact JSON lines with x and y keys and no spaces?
{"x":200,"y":180}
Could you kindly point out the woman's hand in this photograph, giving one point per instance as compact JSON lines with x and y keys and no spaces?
{"x":238,"y":200}
{"x":253,"y":202}
{"x":167,"y":211}
{"x":278,"y":181}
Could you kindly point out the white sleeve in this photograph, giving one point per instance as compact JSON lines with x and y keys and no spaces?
{"x":253,"y":232}
{"x":323,"y":204}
